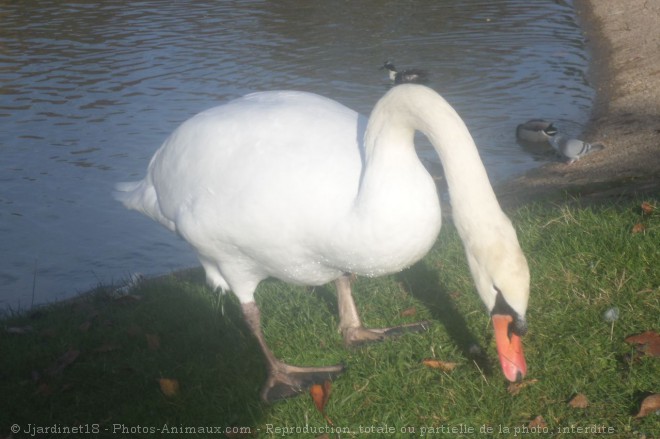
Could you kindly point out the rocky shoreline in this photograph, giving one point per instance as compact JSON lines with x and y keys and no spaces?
{"x":623,"y":38}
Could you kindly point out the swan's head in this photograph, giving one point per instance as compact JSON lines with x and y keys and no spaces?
{"x":501,"y":275}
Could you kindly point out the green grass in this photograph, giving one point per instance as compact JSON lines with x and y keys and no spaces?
{"x":584,"y":260}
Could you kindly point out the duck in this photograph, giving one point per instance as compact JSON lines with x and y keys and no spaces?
{"x":534,"y":130}
{"x":570,"y":149}
{"x":295,"y":186}
{"x":405,"y":76}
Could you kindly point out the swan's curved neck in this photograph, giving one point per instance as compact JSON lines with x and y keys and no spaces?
{"x":410,"y":107}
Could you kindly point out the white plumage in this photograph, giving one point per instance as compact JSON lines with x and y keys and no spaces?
{"x":296,"y":186}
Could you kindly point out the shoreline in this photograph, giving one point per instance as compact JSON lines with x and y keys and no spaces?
{"x":624,"y":70}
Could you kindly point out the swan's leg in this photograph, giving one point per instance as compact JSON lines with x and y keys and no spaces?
{"x":351,"y":326}
{"x":284,"y":380}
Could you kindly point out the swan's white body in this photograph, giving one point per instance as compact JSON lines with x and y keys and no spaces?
{"x":281,"y":199}
{"x":295,"y":186}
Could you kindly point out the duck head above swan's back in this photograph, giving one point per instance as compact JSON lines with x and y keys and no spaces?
{"x":298,"y":187}
{"x":407,"y":76}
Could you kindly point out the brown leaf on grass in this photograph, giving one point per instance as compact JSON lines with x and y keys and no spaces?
{"x":538,"y":422}
{"x":648,"y":343}
{"x":647,"y":208}
{"x":638,"y":228}
{"x":169,"y":387}
{"x":61,"y":363}
{"x":320,"y":396}
{"x":579,"y":401}
{"x":153,"y":341}
{"x":445,"y":366}
{"x":84,"y":326}
{"x":316,"y":391}
{"x":409,"y":312}
{"x":650,"y":404}
{"x":515,"y":388}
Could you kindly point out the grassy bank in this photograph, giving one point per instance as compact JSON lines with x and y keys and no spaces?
{"x":171,"y":354}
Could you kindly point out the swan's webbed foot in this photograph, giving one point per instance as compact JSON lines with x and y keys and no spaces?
{"x":360,"y":335}
{"x":351,"y":326}
{"x":285,"y":381}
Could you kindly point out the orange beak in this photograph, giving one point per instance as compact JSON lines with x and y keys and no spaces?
{"x":509,"y":349}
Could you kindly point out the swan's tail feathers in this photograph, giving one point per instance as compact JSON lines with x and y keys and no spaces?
{"x":141,"y":196}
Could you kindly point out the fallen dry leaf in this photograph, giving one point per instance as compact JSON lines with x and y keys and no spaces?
{"x":409,"y":312}
{"x":650,"y":404}
{"x":515,"y":388}
{"x":647,"y":208}
{"x":168,"y":386}
{"x":579,"y":401}
{"x":153,"y":341}
{"x":445,"y":366}
{"x":638,"y":228}
{"x":537,"y":422}
{"x":648,"y":343}
{"x":320,"y":396}
{"x":84,"y":326}
{"x":61,"y":363}
{"x":317,"y":396}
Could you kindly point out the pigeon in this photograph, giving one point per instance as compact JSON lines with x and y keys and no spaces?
{"x":570,"y":149}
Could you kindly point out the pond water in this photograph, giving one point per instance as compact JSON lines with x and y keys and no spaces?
{"x":90,"y":89}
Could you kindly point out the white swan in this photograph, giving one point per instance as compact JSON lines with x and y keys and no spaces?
{"x":282,"y":184}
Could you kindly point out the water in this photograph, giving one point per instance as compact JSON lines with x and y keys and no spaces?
{"x":89,"y":90}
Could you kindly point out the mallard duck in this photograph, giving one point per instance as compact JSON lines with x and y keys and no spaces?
{"x":533,"y":130}
{"x":406,"y":76}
